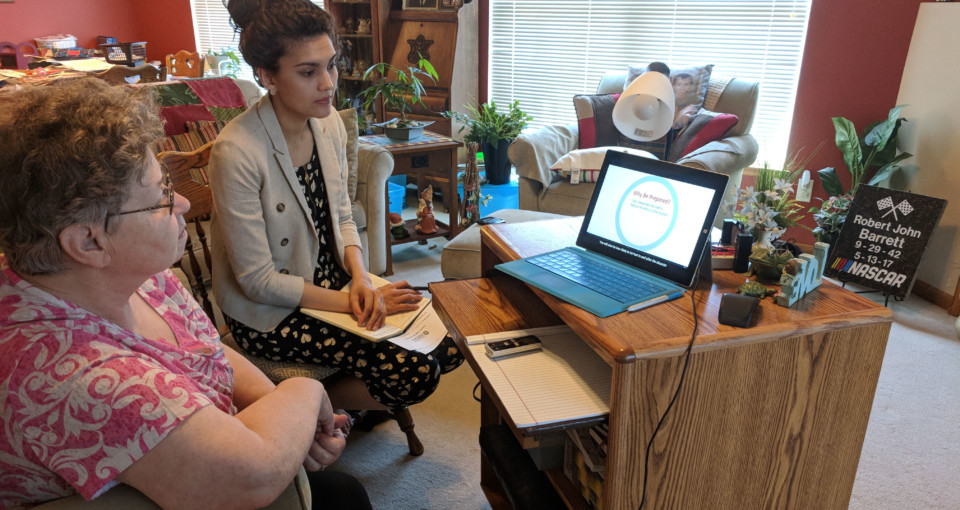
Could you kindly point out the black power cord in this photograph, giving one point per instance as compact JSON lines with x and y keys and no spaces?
{"x":683,"y":373}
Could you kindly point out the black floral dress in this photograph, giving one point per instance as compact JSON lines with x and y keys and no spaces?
{"x":394,"y":376}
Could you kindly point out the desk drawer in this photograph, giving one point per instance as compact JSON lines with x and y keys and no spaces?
{"x":434,"y":164}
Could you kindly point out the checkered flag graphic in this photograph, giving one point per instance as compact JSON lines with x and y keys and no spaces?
{"x":905,"y":207}
{"x":887,"y":203}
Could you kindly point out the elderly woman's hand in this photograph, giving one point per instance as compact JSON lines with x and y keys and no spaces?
{"x":327,"y":444}
{"x":367,"y":304}
{"x":400,"y":297}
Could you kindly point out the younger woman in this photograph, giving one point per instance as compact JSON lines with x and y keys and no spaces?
{"x":283,"y":233}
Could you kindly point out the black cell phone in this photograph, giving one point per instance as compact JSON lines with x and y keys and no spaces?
{"x":490,"y":220}
{"x":502,"y":348}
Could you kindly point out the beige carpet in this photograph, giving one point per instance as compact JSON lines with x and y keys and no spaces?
{"x":447,"y":475}
{"x":910,"y":458}
{"x":911,"y":453}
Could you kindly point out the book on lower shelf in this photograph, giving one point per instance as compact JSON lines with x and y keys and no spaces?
{"x":395,"y":324}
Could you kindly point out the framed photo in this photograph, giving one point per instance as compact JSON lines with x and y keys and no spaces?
{"x":420,"y":5}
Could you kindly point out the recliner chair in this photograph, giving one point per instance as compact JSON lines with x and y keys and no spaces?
{"x":532,"y":154}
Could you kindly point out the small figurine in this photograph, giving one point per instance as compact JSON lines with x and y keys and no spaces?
{"x":345,"y":64}
{"x":470,"y":206}
{"x":426,"y":223}
{"x":754,"y":289}
{"x":398,"y":227}
{"x":363,"y":25}
{"x":359,"y":67}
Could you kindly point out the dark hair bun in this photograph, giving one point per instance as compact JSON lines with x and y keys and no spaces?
{"x":243,"y":12}
{"x":269,"y":27}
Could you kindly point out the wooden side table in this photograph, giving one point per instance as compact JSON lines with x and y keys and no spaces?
{"x":432,"y":158}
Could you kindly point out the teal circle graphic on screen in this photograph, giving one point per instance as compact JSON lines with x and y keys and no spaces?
{"x":646,"y":181}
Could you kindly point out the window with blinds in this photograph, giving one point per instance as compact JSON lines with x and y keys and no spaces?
{"x":212,"y":28}
{"x":543,"y":53}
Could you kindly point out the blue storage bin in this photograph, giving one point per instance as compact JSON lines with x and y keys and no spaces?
{"x":503,"y":196}
{"x":399,"y":180}
{"x":395,"y":192}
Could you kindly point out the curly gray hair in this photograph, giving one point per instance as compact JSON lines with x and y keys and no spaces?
{"x":71,"y":151}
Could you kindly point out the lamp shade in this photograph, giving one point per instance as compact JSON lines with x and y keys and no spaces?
{"x":644,"y":111}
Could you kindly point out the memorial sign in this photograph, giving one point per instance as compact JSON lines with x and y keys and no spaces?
{"x":883,"y":238}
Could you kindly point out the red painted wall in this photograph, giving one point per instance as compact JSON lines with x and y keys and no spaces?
{"x":166,"y":25}
{"x":852,"y":64}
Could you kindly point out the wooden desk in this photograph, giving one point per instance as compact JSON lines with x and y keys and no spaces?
{"x":769,"y":417}
{"x":432,"y":158}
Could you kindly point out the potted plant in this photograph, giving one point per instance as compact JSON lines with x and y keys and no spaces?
{"x":400,"y":89}
{"x":495,"y":131}
{"x":223,"y":63}
{"x":875,"y":148}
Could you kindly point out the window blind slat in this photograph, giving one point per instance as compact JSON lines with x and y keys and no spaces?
{"x":571,"y":43}
{"x":213,"y":31}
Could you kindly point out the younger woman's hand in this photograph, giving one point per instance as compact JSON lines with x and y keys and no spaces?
{"x":367,"y":304}
{"x":400,"y":297}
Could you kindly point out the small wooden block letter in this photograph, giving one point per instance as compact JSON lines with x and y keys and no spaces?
{"x":807,"y":275}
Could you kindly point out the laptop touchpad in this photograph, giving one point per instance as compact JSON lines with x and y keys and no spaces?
{"x":551,"y":280}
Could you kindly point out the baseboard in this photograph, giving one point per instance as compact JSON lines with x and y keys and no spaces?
{"x":937,"y":297}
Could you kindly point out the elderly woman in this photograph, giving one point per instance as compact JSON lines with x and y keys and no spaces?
{"x":110,"y":372}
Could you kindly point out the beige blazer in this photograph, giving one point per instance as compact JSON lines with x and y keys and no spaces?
{"x":264,"y":244}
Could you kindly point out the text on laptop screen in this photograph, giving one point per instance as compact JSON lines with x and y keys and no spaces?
{"x":644,"y":214}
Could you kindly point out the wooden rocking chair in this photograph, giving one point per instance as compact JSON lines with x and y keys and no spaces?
{"x":189,"y":179}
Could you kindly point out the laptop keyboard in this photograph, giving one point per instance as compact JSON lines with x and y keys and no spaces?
{"x":605,"y":279}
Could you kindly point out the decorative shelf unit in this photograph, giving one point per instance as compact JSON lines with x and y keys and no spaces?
{"x":397,"y":36}
{"x":361,"y":27}
{"x":433,"y":34}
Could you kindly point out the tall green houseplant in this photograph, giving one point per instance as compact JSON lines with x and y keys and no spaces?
{"x":399,"y":88}
{"x":875,"y":148}
{"x":495,"y":130}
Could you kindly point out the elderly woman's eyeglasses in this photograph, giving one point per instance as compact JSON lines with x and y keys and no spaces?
{"x":167,"y":201}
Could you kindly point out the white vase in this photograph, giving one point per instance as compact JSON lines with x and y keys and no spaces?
{"x":765,"y":240}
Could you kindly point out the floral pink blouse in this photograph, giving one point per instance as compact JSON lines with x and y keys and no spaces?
{"x":81,"y":399}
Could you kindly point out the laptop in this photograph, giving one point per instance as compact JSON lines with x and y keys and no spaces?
{"x":644,"y":233}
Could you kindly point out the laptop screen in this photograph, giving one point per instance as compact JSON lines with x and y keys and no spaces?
{"x":652,"y":214}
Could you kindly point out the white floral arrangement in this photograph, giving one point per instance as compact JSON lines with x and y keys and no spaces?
{"x":768,"y":206}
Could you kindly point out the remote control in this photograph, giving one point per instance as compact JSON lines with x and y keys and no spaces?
{"x":513,"y":346}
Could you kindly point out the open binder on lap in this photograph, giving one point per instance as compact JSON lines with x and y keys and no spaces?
{"x":394,"y":325}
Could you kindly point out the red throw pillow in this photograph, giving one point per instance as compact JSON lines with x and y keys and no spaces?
{"x":595,"y":120}
{"x":703,"y":129}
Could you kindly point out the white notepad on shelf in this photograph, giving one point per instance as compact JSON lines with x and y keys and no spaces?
{"x":394,"y":324}
{"x":564,"y":382}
